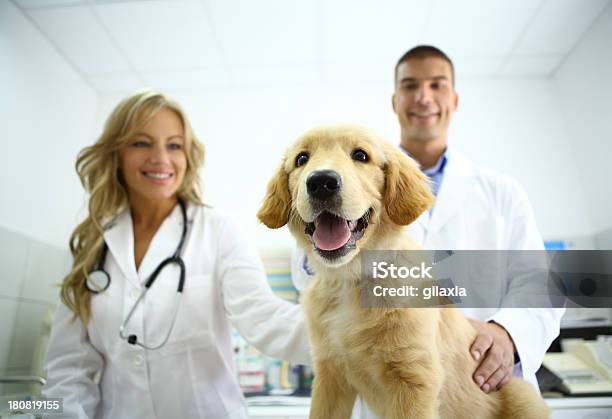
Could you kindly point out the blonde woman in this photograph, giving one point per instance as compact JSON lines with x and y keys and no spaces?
{"x":121,"y":350}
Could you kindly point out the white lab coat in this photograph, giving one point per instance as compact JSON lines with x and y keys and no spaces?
{"x":193,"y":374}
{"x":480,"y":210}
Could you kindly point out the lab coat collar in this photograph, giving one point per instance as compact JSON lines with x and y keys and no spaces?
{"x":119,"y":237}
{"x":458,"y":179}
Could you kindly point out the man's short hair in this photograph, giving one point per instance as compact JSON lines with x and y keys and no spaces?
{"x":421,"y":52}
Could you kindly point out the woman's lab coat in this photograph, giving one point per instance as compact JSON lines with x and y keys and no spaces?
{"x":193,"y":374}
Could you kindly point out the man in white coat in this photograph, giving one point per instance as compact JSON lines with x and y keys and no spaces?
{"x":475,"y":209}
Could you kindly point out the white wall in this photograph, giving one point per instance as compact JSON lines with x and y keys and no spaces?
{"x":43,"y":103}
{"x":583,"y":85}
{"x":515,"y":127}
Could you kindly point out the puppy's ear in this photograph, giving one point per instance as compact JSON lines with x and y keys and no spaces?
{"x":276,"y":206}
{"x":407,"y":194}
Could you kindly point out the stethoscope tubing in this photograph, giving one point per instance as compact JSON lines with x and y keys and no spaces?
{"x":175,"y":258}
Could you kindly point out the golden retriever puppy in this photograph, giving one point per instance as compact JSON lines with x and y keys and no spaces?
{"x":342,"y":190}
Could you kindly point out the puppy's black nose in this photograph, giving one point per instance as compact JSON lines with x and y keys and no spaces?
{"x":323,"y":184}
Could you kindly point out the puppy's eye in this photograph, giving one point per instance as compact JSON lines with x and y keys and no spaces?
{"x":359,"y":155}
{"x":301,"y":159}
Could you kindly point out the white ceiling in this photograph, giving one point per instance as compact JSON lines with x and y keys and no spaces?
{"x":120,"y":45}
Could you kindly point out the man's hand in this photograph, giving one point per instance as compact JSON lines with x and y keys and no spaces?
{"x":494,"y":348}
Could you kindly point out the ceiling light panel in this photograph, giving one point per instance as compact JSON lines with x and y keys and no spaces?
{"x":161,"y":35}
{"x":360,"y":31}
{"x":266,"y":32}
{"x":558,"y":26}
{"x":78,"y":34}
{"x":478,"y":28}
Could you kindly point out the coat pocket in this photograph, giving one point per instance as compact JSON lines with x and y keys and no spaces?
{"x":192,"y":326}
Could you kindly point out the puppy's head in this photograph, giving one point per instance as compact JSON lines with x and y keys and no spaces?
{"x":342,"y":187}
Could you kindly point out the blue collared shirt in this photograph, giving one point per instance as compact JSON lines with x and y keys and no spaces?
{"x":436,"y":172}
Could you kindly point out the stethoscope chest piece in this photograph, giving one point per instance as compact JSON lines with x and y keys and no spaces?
{"x":97,"y":281}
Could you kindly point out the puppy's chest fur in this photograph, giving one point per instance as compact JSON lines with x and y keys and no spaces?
{"x":341,"y":321}
{"x":375,"y":349}
{"x":358,"y":340}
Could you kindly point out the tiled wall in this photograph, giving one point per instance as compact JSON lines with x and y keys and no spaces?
{"x":29,"y":271}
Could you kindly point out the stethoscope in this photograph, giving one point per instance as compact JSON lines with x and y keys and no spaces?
{"x":99,"y":280}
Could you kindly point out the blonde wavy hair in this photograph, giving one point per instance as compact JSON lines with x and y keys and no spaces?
{"x":98,"y":169}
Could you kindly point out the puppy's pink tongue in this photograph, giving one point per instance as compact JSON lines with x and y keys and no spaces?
{"x":331,"y":232}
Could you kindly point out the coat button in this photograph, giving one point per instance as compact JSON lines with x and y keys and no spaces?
{"x":137,"y":360}
{"x":134,"y":293}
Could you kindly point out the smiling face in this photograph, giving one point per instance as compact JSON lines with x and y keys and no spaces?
{"x":336,"y":185}
{"x":424,"y":99}
{"x":153,"y":161}
{"x":341,"y":189}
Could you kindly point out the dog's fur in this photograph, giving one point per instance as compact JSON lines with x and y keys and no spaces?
{"x":405,"y":363}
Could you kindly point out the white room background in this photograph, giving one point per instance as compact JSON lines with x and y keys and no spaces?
{"x":550,"y":129}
